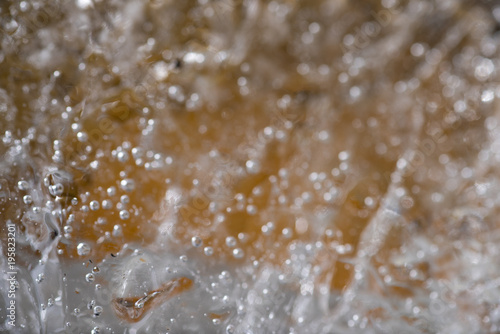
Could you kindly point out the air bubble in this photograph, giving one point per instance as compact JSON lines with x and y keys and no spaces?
{"x":94,"y":205}
{"x":82,"y":137}
{"x":97,"y":311}
{"x":124,"y":215}
{"x":209,"y":251}
{"x":89,"y":277}
{"x":122,"y":156}
{"x":124,"y":199}
{"x":238,"y":253}
{"x":196,"y":241}
{"x":107,"y":204}
{"x":22,"y":185}
{"x":83,"y":249}
{"x":40,"y":278}
{"x":27,"y":199}
{"x":127,"y":184}
{"x":117,"y":231}
{"x":252,"y":166}
{"x":56,"y":189}
{"x":230,"y":241}
{"x":111,"y":191}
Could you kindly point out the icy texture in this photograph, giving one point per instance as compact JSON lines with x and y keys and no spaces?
{"x":220,"y":166}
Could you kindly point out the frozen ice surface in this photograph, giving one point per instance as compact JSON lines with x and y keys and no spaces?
{"x":220,"y":166}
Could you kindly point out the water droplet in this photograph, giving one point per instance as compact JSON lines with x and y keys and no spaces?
{"x":83,"y":249}
{"x":196,"y":241}
{"x":230,"y":329}
{"x":89,"y":277}
{"x":183,"y":258}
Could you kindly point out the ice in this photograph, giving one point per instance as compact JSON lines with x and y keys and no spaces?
{"x":250,"y":167}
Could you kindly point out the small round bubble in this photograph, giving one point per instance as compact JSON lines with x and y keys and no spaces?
{"x":230,"y":241}
{"x":209,"y":251}
{"x":238,"y":253}
{"x":27,"y":199}
{"x":196,"y":241}
{"x":22,"y":185}
{"x":83,"y":249}
{"x":97,"y":311}
{"x":124,"y":215}
{"x":94,"y":205}
{"x":127,"y":184}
